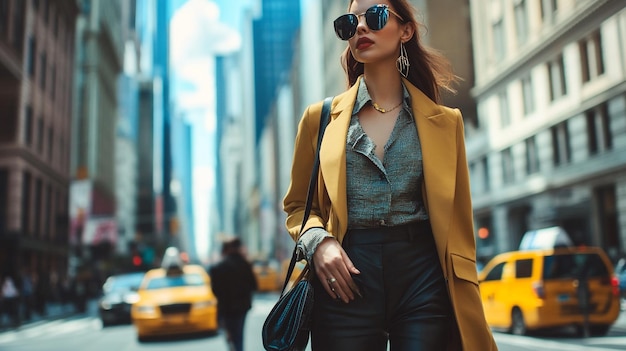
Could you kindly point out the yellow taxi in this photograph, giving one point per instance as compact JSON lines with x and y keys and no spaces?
{"x":267,"y":277}
{"x":545,"y":288}
{"x":175,"y":299}
{"x":295,"y":275}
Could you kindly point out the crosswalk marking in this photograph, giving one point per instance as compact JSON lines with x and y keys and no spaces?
{"x":548,"y":345}
{"x":51,"y":328}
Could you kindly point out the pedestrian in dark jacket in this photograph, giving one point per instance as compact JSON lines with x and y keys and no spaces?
{"x":233,"y":283}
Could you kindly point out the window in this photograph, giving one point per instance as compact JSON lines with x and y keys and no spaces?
{"x":48,"y":215}
{"x":569,"y":266}
{"x":18,"y":25}
{"x":53,"y":77}
{"x":505,"y":116}
{"x":46,"y":11}
{"x":549,"y":10}
{"x":485,"y":166}
{"x":521,"y":21}
{"x":524,"y":268}
{"x":4,"y":198}
{"x":598,"y":130}
{"x":527,"y":95}
{"x":480,"y":175}
{"x":591,"y":57}
{"x":498,"y":39}
{"x":508,"y":172}
{"x":32,"y":46}
{"x":4,"y":17}
{"x":561,"y":144}
{"x":55,"y":25}
{"x":42,"y":73}
{"x":50,"y":143}
{"x":28,"y":126}
{"x":40,"y":131}
{"x":38,"y":206}
{"x":62,"y":152}
{"x":26,"y":202}
{"x":10,"y":121}
{"x":496,"y":272}
{"x":556,"y":74}
{"x":532,"y":156}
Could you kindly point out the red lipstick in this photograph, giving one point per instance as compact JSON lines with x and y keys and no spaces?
{"x":364,"y":43}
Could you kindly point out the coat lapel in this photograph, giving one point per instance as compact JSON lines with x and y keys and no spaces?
{"x":437,"y":134}
{"x":333,"y":156}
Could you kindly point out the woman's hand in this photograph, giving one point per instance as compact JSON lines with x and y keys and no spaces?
{"x":333,"y":268}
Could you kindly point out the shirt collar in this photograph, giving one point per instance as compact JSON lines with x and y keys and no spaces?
{"x":363,"y":97}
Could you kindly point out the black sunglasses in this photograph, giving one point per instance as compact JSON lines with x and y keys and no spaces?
{"x":376,"y":18}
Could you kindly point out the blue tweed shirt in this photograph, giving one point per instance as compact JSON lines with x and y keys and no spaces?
{"x":385,"y":192}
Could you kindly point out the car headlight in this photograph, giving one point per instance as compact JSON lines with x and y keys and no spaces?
{"x":106,"y":305}
{"x":146,"y":309}
{"x":131,"y":298}
{"x":203,"y":304}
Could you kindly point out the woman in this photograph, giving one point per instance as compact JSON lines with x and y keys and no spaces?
{"x":390,"y":233}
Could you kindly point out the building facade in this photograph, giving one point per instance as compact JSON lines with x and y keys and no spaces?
{"x":36,"y":70}
{"x":549,"y":145}
{"x":99,"y":58}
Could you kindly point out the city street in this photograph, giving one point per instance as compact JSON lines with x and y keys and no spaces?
{"x":80,"y":331}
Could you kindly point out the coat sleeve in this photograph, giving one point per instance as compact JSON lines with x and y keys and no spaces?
{"x":304,"y":154}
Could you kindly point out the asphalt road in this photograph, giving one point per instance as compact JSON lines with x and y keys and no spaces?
{"x":85,"y":332}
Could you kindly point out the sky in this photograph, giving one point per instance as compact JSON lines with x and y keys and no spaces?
{"x":199,"y":32}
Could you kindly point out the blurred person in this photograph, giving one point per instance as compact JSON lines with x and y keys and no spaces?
{"x":391,"y":233}
{"x":40,"y":282}
{"x":80,"y":285}
{"x":66,"y":290}
{"x":233,"y":283}
{"x":10,"y":300}
{"x":27,"y":294}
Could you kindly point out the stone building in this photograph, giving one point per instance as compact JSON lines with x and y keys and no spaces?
{"x":549,"y":145}
{"x":36,"y":72}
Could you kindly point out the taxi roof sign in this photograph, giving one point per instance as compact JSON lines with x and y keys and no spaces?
{"x":545,"y":238}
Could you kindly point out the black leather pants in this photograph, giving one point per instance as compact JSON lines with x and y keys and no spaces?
{"x":405,"y":300}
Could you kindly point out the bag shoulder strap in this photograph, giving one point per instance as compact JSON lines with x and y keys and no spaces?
{"x":324,"y":119}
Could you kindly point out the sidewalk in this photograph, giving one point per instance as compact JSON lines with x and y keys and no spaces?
{"x":54,"y":310}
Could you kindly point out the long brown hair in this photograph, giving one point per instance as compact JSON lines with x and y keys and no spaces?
{"x":430,"y":70}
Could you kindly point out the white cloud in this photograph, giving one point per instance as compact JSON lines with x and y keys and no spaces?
{"x":195,"y":91}
{"x":196,"y":37}
{"x":197,"y":32}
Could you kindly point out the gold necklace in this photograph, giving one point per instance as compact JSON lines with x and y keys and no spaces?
{"x":382,"y":110}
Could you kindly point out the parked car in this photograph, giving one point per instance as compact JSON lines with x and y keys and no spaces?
{"x":536,"y":289}
{"x":119,"y":292}
{"x":175,"y":299}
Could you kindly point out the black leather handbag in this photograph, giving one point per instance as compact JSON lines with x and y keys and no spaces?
{"x":288,"y":324}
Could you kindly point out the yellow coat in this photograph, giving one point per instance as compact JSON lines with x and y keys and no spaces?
{"x":446,"y":195}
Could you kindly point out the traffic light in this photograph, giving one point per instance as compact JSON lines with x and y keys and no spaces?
{"x":137,"y":260}
{"x":483,"y":233}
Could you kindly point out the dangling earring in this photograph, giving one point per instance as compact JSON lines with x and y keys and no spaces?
{"x":402,"y":63}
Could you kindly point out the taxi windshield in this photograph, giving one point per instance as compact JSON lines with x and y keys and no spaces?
{"x":175,"y":281}
{"x":123,"y":282}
